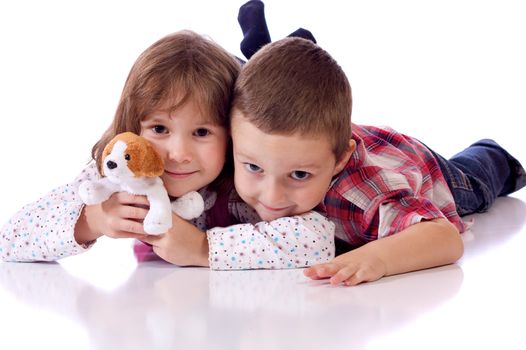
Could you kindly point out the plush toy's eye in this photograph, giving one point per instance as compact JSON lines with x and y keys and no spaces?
{"x":127,"y":157}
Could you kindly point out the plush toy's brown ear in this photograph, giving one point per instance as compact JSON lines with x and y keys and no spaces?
{"x":153,"y":163}
{"x":144,"y":160}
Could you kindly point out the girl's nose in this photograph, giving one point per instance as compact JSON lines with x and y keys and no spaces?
{"x":179,"y":151}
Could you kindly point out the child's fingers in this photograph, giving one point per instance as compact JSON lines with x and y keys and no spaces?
{"x":123,"y":234}
{"x":132,"y":199}
{"x":135,"y":213}
{"x":321,"y":271}
{"x":126,"y":229}
{"x":311,"y":272}
{"x":151,"y":239}
{"x":343,"y":274}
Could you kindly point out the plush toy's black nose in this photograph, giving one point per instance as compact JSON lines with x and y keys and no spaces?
{"x":111,"y":164}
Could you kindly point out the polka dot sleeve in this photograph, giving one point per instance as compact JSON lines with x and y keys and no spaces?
{"x":44,"y":230}
{"x":289,"y":242}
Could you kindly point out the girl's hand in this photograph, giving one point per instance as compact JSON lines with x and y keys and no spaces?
{"x":350,"y":269}
{"x":120,"y":216}
{"x":183,"y":245}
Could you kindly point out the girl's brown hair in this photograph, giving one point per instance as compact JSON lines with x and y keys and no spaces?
{"x":178,"y":67}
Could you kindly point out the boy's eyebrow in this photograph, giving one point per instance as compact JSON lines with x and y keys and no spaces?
{"x":309,"y":166}
{"x":241,"y":154}
{"x":297,"y":166}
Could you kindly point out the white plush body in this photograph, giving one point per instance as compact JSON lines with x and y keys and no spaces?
{"x":119,"y":178}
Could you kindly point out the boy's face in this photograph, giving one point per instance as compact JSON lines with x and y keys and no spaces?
{"x":281,"y":175}
{"x":193,"y":148}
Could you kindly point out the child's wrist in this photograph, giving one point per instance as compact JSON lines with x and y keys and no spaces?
{"x":85,"y":233}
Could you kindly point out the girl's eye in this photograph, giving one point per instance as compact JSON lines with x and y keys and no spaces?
{"x":300,"y":175}
{"x":253,"y":168}
{"x":201,"y":132}
{"x":159,"y":129}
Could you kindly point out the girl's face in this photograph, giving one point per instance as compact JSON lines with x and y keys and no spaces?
{"x":193,"y":148}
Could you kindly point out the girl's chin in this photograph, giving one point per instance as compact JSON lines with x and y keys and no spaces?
{"x":179,"y":192}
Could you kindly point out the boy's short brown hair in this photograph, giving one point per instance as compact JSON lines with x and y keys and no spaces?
{"x":293,"y":85}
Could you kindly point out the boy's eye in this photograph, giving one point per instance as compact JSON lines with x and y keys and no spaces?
{"x":253,"y":168}
{"x":159,"y":129}
{"x":201,"y":132}
{"x":300,"y":175}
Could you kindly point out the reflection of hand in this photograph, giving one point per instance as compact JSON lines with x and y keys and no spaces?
{"x":179,"y":297}
{"x":183,"y":245}
{"x":275,"y":290}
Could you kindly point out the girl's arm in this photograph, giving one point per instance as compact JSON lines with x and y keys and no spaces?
{"x":291,"y":242}
{"x":420,"y":246}
{"x":44,"y":230}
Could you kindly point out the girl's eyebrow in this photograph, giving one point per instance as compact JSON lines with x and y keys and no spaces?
{"x":153,"y":118}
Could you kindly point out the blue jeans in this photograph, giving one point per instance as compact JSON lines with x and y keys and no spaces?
{"x":479,"y":174}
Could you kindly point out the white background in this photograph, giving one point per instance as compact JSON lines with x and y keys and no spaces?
{"x":447,"y":72}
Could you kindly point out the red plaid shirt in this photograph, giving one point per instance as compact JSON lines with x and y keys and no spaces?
{"x":392,"y":181}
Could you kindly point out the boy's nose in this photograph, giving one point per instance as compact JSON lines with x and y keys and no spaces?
{"x":274,"y":194}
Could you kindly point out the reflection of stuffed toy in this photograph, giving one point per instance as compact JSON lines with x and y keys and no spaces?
{"x":130,"y":164}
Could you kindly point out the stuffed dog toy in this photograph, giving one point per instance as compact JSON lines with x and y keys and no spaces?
{"x":131,"y":164}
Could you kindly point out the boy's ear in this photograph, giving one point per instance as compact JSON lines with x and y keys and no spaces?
{"x":340,"y":165}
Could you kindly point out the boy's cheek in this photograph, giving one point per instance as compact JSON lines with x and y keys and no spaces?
{"x":242,"y":185}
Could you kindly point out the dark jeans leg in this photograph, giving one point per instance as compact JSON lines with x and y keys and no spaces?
{"x":481,"y":173}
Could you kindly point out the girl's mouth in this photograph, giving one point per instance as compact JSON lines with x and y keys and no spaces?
{"x":179,"y":174}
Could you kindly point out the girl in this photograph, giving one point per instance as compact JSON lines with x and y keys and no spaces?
{"x":177,"y":96}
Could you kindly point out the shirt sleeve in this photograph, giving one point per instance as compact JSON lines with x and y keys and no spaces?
{"x":44,"y":230}
{"x":289,"y":242}
{"x":397,"y":215}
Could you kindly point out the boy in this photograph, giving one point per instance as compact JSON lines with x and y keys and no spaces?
{"x":392,"y":199}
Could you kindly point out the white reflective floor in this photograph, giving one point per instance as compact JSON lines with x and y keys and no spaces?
{"x":448,"y":73}
{"x":104,"y":299}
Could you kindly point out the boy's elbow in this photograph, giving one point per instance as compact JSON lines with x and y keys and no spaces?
{"x":454,"y":241}
{"x":457,"y":249}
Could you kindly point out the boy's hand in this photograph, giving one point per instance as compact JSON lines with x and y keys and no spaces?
{"x":350,"y":269}
{"x":420,"y":246}
{"x":183,"y":245}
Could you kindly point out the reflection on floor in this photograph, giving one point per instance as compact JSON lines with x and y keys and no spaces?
{"x":104,"y":299}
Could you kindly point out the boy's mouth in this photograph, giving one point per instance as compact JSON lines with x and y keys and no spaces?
{"x":274,"y":209}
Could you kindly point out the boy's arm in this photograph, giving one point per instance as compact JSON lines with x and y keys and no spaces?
{"x":423,"y":245}
{"x":290,"y":242}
